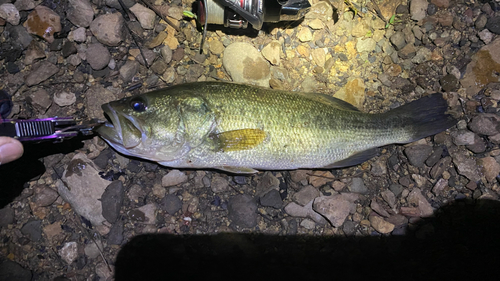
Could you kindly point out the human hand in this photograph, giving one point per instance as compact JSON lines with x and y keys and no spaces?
{"x":10,"y":149}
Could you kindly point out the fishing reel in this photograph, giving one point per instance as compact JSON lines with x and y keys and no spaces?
{"x":238,"y":13}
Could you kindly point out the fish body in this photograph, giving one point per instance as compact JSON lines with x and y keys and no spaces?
{"x":242,"y":128}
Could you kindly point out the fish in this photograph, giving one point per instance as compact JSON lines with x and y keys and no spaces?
{"x":242,"y":129}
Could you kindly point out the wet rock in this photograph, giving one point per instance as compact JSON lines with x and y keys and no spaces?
{"x":112,"y":200}
{"x":43,"y":22}
{"x":44,"y":70}
{"x":97,"y":95}
{"x":417,"y":154}
{"x":9,"y":13}
{"x":44,"y":196}
{"x":84,"y":188}
{"x":418,"y":9}
{"x":128,"y":70}
{"x":108,"y":29}
{"x":145,"y":16}
{"x":305,"y":195}
{"x":493,"y":24}
{"x":489,"y":167}
{"x":64,"y":98}
{"x":69,"y":252}
{"x":219,"y":184}
{"x":380,"y":225}
{"x":10,"y":270}
{"x":6,"y":216}
{"x":336,"y":208}
{"x":449,"y":83}
{"x":98,"y":56}
{"x":271,"y":199}
{"x":173,"y":178}
{"x":33,"y":230}
{"x":485,"y":124}
{"x":80,"y":12}
{"x":245,"y":64}
{"x":272,"y":52}
{"x":171,"y":204}
{"x":41,"y":100}
{"x":295,"y":210}
{"x":242,"y":211}
{"x":358,"y":186}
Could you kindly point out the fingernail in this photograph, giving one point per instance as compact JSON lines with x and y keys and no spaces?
{"x":9,"y":152}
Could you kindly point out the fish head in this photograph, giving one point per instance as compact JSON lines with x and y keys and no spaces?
{"x":144,"y":126}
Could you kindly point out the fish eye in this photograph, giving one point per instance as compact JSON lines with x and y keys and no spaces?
{"x":138,"y":105}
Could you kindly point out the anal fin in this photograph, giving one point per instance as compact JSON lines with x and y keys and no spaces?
{"x":237,"y":170}
{"x":354,"y":159}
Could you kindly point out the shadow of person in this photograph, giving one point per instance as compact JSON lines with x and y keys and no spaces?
{"x":461,"y":240}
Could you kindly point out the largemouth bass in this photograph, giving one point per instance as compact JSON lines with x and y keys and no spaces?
{"x":242,"y":128}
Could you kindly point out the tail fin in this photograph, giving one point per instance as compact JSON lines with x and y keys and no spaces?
{"x":424,"y":117}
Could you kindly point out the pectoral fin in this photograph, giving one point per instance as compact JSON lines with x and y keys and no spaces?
{"x":354,"y":159}
{"x":240,"y":139}
{"x":237,"y":170}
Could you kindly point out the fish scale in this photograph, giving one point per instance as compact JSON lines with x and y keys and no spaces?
{"x":240,"y":128}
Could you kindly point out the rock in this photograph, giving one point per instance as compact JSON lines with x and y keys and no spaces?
{"x":80,"y":12}
{"x":44,"y":70}
{"x":145,"y":16}
{"x":485,"y":124}
{"x":112,"y":200}
{"x":481,"y":21}
{"x":304,"y":34}
{"x":98,"y":56}
{"x":219,"y":184}
{"x":173,"y":178}
{"x":389,"y":198}
{"x":493,"y":24}
{"x":64,"y":98}
{"x":375,"y":206}
{"x":449,"y":83}
{"x":336,"y":208}
{"x":246,"y":65}
{"x":441,"y":3}
{"x":68,"y":49}
{"x":480,"y":71}
{"x":398,"y":40}
{"x":115,"y":235}
{"x":108,"y":28}
{"x":242,"y":211}
{"x":358,"y":186}
{"x":84,"y":188}
{"x":194,"y":72}
{"x":128,"y":70}
{"x":9,"y":13}
{"x":353,"y":92}
{"x":486,"y":36}
{"x":442,"y":165}
{"x":418,"y":9}
{"x":69,"y":252}
{"x":422,"y":55}
{"x":319,"y":57}
{"x":149,"y":211}
{"x":43,"y":22}
{"x":78,"y":35}
{"x":41,"y":100}
{"x":466,"y":166}
{"x":308,"y":224}
{"x":6,"y":216}
{"x":316,"y":24}
{"x":295,"y":210}
{"x":166,"y":53}
{"x":52,"y":230}
{"x":490,"y":168}
{"x":171,"y":204}
{"x":305,"y":195}
{"x":320,"y":10}
{"x":319,"y":178}
{"x":19,"y":36}
{"x":10,"y":270}
{"x":272,"y":52}
{"x":44,"y":196}
{"x":216,"y":47}
{"x":97,"y":95}
{"x":271,"y":199}
{"x":424,"y":207}
{"x":396,"y":189}
{"x":380,"y":225}
{"x":463,"y":137}
{"x":417,"y":154}
{"x":439,"y":187}
{"x":365,"y":44}
{"x":91,"y":250}
{"x":33,"y":229}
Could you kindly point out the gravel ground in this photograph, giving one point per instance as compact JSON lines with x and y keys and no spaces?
{"x":78,"y":210}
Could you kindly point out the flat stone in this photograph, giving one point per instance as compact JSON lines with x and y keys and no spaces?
{"x":98,"y":56}
{"x":115,"y":235}
{"x":485,"y":124}
{"x":219,"y":184}
{"x":33,"y":229}
{"x":171,"y":204}
{"x":44,"y":196}
{"x":128,"y":70}
{"x":489,"y":167}
{"x":493,"y":24}
{"x":416,"y":198}
{"x":173,"y":178}
{"x":358,"y":186}
{"x":463,"y":137}
{"x":80,"y":12}
{"x":145,"y":16}
{"x":43,"y":22}
{"x":245,"y":64}
{"x":52,"y":230}
{"x":380,"y":225}
{"x":242,"y":211}
{"x":112,"y":200}
{"x":216,"y":47}
{"x":480,"y":71}
{"x":40,"y":99}
{"x":64,"y":98}
{"x":44,"y":70}
{"x":271,"y":199}
{"x":304,"y":34}
{"x":295,"y":210}
{"x":417,"y":154}
{"x":418,"y":9}
{"x":306,"y":194}
{"x":97,"y":95}
{"x":108,"y":28}
{"x":272,"y":52}
{"x":336,"y":208}
{"x":9,"y":13}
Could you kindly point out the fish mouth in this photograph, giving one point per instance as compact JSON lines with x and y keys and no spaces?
{"x":120,"y":129}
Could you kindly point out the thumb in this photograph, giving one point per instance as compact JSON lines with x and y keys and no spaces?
{"x":10,"y":149}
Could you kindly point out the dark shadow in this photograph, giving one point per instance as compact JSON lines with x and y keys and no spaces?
{"x":462,"y":240}
{"x":14,"y":175}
